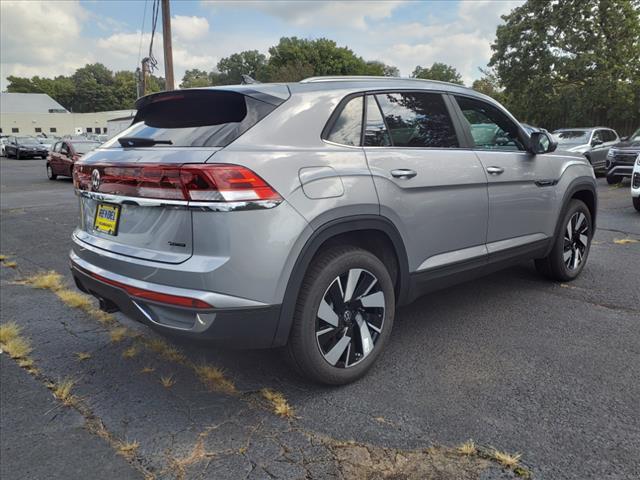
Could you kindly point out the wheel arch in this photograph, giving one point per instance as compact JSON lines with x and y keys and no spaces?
{"x":358,"y":230}
{"x":584,"y":189}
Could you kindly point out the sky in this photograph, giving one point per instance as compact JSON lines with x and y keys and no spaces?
{"x":52,"y":37}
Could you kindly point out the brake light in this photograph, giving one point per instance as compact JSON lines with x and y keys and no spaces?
{"x":141,"y":293}
{"x":192,"y":182}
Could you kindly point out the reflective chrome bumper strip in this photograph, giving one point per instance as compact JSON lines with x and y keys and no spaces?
{"x":157,"y":202}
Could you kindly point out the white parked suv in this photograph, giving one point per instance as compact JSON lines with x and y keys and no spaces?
{"x":635,"y":184}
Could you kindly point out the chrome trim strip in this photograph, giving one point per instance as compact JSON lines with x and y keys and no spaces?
{"x":454,"y":256}
{"x":500,"y":245}
{"x":218,"y":300}
{"x":202,"y":321}
{"x":156,"y":202}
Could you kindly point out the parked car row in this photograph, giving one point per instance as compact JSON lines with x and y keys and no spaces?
{"x":605,"y":150}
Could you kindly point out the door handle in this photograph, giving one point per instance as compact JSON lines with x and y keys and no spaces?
{"x":403,"y":173}
{"x":495,"y":170}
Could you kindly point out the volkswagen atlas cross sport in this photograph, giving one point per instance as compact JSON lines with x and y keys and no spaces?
{"x":302,"y":214}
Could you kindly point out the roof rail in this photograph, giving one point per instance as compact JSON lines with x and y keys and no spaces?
{"x":355,"y":78}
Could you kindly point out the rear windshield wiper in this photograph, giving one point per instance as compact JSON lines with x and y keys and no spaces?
{"x":142,"y":142}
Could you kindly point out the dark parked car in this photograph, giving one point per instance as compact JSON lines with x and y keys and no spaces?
{"x":25,"y":147}
{"x":64,"y":154}
{"x":621,"y":157}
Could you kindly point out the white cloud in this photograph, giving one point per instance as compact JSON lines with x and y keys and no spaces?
{"x":330,"y":14}
{"x":189,"y":28}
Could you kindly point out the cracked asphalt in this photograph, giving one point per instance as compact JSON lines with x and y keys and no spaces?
{"x":511,"y":361}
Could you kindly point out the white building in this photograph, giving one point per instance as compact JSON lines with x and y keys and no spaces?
{"x":38,"y":113}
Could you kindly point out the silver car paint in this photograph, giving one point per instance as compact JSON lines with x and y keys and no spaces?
{"x":451,"y":210}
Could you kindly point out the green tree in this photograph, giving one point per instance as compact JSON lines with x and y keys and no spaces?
{"x":312,"y":57}
{"x":565,"y":63}
{"x":249,"y":62}
{"x":489,"y":84}
{"x":438,"y":71}
{"x":196,"y":78}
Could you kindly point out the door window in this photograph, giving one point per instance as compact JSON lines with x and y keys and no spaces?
{"x":64,"y":149}
{"x":348,"y":126}
{"x":418,"y":119}
{"x":375,"y":131}
{"x":490,"y":128}
{"x":56,"y":147}
{"x":610,"y":136}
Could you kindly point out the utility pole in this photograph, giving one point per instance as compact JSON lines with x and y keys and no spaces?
{"x":144,"y":77}
{"x":168,"y":49}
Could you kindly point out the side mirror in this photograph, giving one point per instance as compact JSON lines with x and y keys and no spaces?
{"x":624,"y":139}
{"x":541,"y":142}
{"x":596,"y":141}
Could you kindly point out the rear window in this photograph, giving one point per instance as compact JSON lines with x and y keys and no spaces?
{"x":196,"y":118}
{"x":85,"y":147}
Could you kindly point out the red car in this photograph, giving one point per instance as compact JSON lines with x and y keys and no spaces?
{"x":64,"y":154}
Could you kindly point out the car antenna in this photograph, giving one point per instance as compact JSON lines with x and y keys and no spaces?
{"x":247,"y":80}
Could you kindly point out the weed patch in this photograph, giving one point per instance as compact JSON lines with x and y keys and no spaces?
{"x":82,"y":356}
{"x":167,"y":381}
{"x":214,"y":378}
{"x":278,"y":403}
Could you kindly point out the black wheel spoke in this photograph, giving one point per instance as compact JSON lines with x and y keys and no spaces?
{"x":350,"y":318}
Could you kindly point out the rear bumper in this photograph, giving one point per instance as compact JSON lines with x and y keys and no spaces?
{"x":240,"y":323}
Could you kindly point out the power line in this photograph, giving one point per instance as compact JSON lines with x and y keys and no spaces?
{"x":144,"y":16}
{"x":153,"y":63}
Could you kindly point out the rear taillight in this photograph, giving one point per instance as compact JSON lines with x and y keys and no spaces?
{"x":192,"y":182}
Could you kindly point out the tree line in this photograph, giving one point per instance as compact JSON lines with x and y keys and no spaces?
{"x":554,"y":64}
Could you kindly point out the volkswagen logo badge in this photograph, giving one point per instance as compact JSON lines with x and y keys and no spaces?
{"x":95,"y":180}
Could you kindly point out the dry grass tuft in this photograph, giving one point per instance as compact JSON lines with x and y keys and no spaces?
{"x":50,"y":280}
{"x":103,"y":317}
{"x":118,"y":334}
{"x":3,"y":258}
{"x":167,"y":381}
{"x":62,"y":391}
{"x":506,"y":459}
{"x":467,"y":448}
{"x":161,"y":347}
{"x":148,"y":370}
{"x":214,"y":378}
{"x":130,"y":352}
{"x":82,"y":356}
{"x":128,"y":449}
{"x":9,"y":331}
{"x":624,"y":241}
{"x":17,"y":347}
{"x":279,"y":404}
{"x":74,"y":299}
{"x":10,"y":264}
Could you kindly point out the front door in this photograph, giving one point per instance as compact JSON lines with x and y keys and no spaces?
{"x":521,"y":184}
{"x":433,"y":190}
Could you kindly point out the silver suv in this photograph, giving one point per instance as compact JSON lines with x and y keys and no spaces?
{"x":303,"y":214}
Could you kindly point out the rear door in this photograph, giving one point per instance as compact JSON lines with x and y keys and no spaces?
{"x":54,"y":158}
{"x":521,"y":185}
{"x":433,"y":190}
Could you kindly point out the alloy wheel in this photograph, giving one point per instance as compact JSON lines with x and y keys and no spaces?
{"x":576,"y":241}
{"x":350,"y":318}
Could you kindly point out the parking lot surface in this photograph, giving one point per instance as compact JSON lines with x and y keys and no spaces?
{"x":511,"y":360}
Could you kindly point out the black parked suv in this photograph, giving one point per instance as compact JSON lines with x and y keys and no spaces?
{"x":621,"y":157}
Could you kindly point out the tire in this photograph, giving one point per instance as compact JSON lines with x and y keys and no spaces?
{"x":569,"y":253}
{"x":17,"y":154}
{"x":346,"y":351}
{"x":50,"y":174}
{"x":613,"y":179}
{"x":636,"y":203}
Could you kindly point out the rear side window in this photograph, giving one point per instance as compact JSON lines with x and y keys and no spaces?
{"x":348,"y":126}
{"x":197,"y":118}
{"x":490,"y":128}
{"x":418,"y":119}
{"x":375,"y":132}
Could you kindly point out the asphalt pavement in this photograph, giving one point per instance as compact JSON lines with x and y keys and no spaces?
{"x":511,"y":360}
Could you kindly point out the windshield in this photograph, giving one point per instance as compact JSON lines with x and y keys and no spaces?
{"x":85,"y":147}
{"x":572,"y":136}
{"x":28,"y":141}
